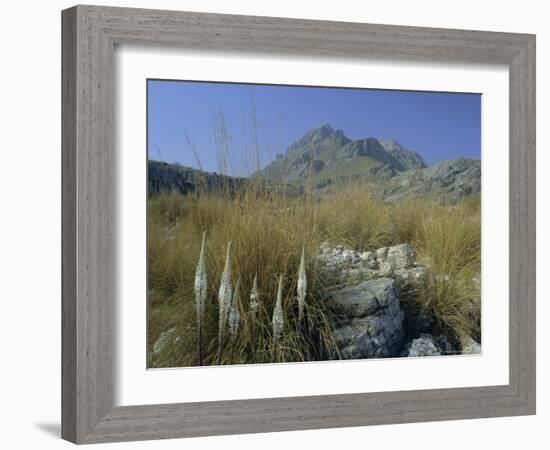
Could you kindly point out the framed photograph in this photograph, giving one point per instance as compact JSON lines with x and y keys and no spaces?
{"x":277,"y":224}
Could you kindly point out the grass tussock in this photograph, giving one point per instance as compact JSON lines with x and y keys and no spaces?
{"x":267,"y":232}
{"x":451,"y":245}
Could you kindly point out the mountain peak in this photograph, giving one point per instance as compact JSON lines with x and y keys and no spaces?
{"x":328,"y":153}
{"x":325,"y":128}
{"x":408,"y":159}
{"x":320,"y":132}
{"x":390,"y":144}
{"x":317,"y":135}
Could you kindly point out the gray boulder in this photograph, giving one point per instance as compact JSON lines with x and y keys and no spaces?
{"x":355,"y":301}
{"x":346,"y":266}
{"x":394,"y":258}
{"x":415,"y":275}
{"x":370,"y":259}
{"x":471,"y":347}
{"x":425,"y":345}
{"x":401,"y":256}
{"x":370,"y":320}
{"x":381,"y":253}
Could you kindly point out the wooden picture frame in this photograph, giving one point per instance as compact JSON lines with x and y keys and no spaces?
{"x":90,"y":34}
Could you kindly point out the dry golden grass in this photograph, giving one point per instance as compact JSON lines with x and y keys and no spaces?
{"x":268,"y":231}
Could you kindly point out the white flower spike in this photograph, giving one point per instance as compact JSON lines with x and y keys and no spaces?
{"x":278,"y":319}
{"x":254,"y":296}
{"x":234,"y":313}
{"x":225,"y":293}
{"x":201,"y":283}
{"x":302,"y":285}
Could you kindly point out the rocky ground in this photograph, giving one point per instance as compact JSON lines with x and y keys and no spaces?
{"x":370,"y":316}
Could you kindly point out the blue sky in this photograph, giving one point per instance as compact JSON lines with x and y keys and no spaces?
{"x":437,"y":125}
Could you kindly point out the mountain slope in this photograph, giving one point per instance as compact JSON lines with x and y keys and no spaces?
{"x":324,"y":153}
{"x":407,"y":158}
{"x":450,"y":179}
{"x":166,"y":177}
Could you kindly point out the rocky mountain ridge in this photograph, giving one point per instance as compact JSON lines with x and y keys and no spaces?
{"x":167,"y":177}
{"x":324,"y":153}
{"x":326,"y":159}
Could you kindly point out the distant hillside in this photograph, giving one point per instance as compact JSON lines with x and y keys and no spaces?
{"x":449,"y":179}
{"x":166,"y":177}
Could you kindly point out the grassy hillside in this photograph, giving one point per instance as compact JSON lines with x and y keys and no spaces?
{"x":358,"y":166}
{"x":268,"y":230}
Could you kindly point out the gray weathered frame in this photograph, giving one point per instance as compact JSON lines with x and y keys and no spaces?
{"x":89,"y":36}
